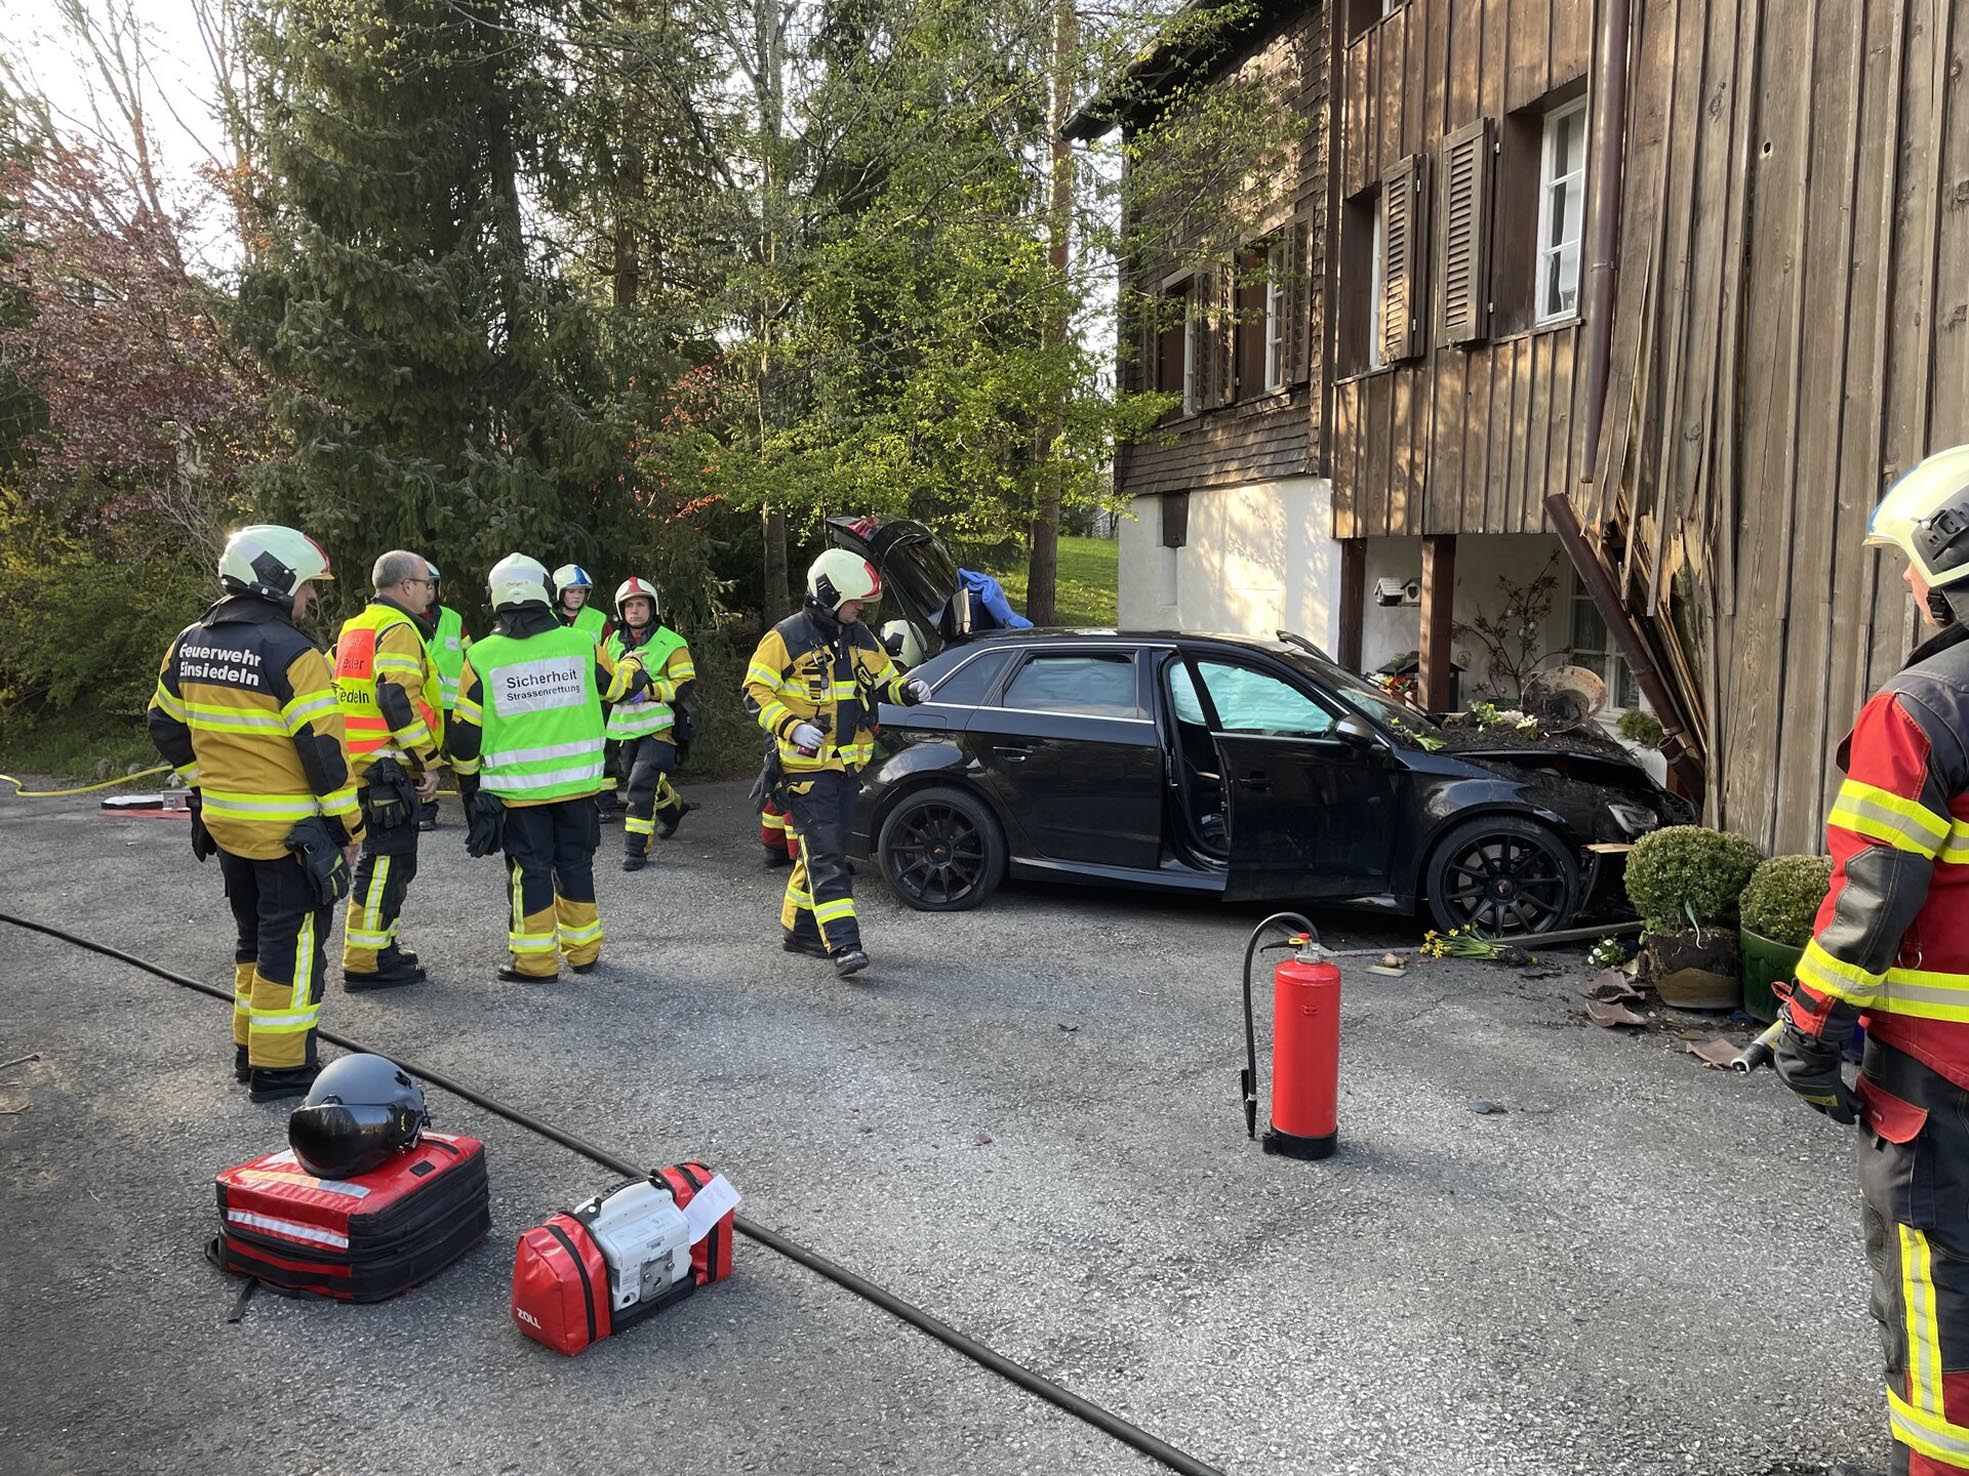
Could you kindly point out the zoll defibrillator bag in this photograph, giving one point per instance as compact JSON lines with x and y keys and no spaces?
{"x":622,"y":1256}
{"x":363,"y":1239}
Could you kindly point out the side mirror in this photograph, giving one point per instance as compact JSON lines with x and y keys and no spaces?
{"x":1356,"y":732}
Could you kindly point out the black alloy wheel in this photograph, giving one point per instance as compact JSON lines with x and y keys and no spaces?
{"x":942,"y":851}
{"x":1501,"y":875}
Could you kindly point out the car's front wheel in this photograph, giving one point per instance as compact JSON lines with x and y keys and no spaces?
{"x":942,"y":850}
{"x":1502,"y":875}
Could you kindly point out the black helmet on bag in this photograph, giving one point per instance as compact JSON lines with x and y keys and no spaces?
{"x":361,"y":1112}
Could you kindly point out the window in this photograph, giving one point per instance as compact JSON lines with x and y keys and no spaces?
{"x":1561,"y":212}
{"x":1592,"y":646}
{"x":1171,"y":336}
{"x":1097,"y":684}
{"x":1248,"y":701}
{"x":1192,"y":355}
{"x":968,"y":685}
{"x":1275,"y":297}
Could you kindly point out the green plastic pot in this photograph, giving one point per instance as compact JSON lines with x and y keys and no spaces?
{"x":1764,"y":962}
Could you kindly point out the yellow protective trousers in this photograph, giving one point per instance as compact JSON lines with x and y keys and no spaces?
{"x":279,"y":964}
{"x":550,"y":884}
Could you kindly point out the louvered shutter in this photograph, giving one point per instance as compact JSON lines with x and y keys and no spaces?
{"x":1298,"y":300}
{"x":1222,"y":325}
{"x":1465,"y":291}
{"x":1403,"y":228}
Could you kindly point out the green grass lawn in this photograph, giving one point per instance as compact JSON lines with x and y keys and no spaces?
{"x":1086,"y":581}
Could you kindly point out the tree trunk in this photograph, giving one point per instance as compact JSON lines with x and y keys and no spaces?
{"x":1043,"y":558}
{"x":776,"y":604}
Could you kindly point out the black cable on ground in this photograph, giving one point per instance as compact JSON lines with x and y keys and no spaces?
{"x":1107,"y":1422}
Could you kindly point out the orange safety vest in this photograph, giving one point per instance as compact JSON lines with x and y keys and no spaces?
{"x":356,"y":665}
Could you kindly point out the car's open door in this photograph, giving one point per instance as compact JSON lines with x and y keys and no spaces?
{"x":1310,"y":791}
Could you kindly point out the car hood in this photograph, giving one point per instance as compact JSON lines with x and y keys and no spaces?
{"x":916,"y":568}
{"x":1585,"y":762}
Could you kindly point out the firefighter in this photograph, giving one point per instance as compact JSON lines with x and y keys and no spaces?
{"x":649,"y":728}
{"x":813,"y":684}
{"x":389,"y":691}
{"x":572,"y":587}
{"x":245,"y":709}
{"x":445,"y":639}
{"x":1891,"y":951}
{"x":529,"y":735}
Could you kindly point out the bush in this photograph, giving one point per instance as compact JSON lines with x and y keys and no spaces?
{"x":1638,"y":727}
{"x":1688,"y":876}
{"x":1782,"y":899}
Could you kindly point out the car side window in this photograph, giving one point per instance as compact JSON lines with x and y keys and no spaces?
{"x":968,"y":685}
{"x":1182,"y":695}
{"x":1083,"y":681}
{"x":1249,"y":701}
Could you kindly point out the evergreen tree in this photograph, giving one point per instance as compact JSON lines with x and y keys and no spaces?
{"x":438,"y":391}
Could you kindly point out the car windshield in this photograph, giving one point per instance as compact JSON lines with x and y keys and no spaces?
{"x":1363,"y":696}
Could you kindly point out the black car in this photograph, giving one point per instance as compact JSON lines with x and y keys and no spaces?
{"x":1254,"y":770}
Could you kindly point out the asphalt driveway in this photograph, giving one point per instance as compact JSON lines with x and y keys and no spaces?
{"x":1025,"y":1120}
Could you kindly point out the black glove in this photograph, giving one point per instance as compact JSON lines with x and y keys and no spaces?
{"x":321,"y":858}
{"x":1811,"y":1052}
{"x":484,"y":819}
{"x":389,"y":797}
{"x":202,"y":844}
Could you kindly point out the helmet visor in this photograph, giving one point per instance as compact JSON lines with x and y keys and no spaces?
{"x":336,"y":1140}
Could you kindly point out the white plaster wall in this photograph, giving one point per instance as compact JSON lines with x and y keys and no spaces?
{"x":1259,"y":558}
{"x":1481,"y":560}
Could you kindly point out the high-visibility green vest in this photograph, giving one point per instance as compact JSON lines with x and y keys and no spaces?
{"x":590,"y":620}
{"x":447,"y":647}
{"x":541,"y":715}
{"x":642,"y":719}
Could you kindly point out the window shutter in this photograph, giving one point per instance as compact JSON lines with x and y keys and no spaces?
{"x":1465,"y":314}
{"x":1223,"y":335}
{"x":1403,"y":228}
{"x":1298,"y":300}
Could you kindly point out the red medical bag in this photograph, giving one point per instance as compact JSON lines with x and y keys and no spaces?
{"x":364,"y":1239}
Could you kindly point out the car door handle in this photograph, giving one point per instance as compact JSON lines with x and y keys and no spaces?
{"x":1257,"y":779}
{"x":1015,"y":753}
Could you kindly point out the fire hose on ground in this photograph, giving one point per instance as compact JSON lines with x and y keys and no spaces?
{"x":1107,"y":1422}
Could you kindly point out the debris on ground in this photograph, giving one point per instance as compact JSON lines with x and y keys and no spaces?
{"x":1489,"y":1109}
{"x":1390,"y":965}
{"x":1609,"y":986}
{"x":1608,"y":1016}
{"x":1717,"y":1053}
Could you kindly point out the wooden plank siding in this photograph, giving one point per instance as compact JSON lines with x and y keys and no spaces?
{"x":1481,"y":431}
{"x":1790,"y":334}
{"x":1263,"y":437}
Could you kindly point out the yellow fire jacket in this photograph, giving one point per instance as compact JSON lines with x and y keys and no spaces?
{"x":245,"y":709}
{"x":810,"y":669}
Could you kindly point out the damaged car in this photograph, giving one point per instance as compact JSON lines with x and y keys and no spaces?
{"x":1248,"y":769}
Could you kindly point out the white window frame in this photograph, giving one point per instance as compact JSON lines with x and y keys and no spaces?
{"x":1550,"y":183}
{"x":1275,"y":298}
{"x":1192,"y":349}
{"x":1377,"y":290}
{"x":1608,"y":664}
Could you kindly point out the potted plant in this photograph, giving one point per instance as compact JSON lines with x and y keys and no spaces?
{"x":1774,"y":923}
{"x":1684,"y":880}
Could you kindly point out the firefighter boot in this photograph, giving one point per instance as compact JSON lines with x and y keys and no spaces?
{"x":849,"y":961}
{"x":274,"y":1086}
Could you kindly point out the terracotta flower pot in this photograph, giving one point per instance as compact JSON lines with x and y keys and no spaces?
{"x":1696,"y":971}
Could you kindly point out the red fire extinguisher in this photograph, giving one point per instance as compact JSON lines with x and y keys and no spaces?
{"x":1305,"y":1044}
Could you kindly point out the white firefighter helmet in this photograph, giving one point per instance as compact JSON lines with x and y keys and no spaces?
{"x":838,"y":576}
{"x":1926,"y":516}
{"x":272,"y":562}
{"x":518,"y":580}
{"x":571,"y":576}
{"x":899,"y":638}
{"x":634,"y":588}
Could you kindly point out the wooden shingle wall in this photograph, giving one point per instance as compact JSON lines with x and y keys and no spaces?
{"x":1470,"y":437}
{"x":1791,"y":333}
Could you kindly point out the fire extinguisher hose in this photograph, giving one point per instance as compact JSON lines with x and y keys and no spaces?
{"x":1104,"y":1420}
